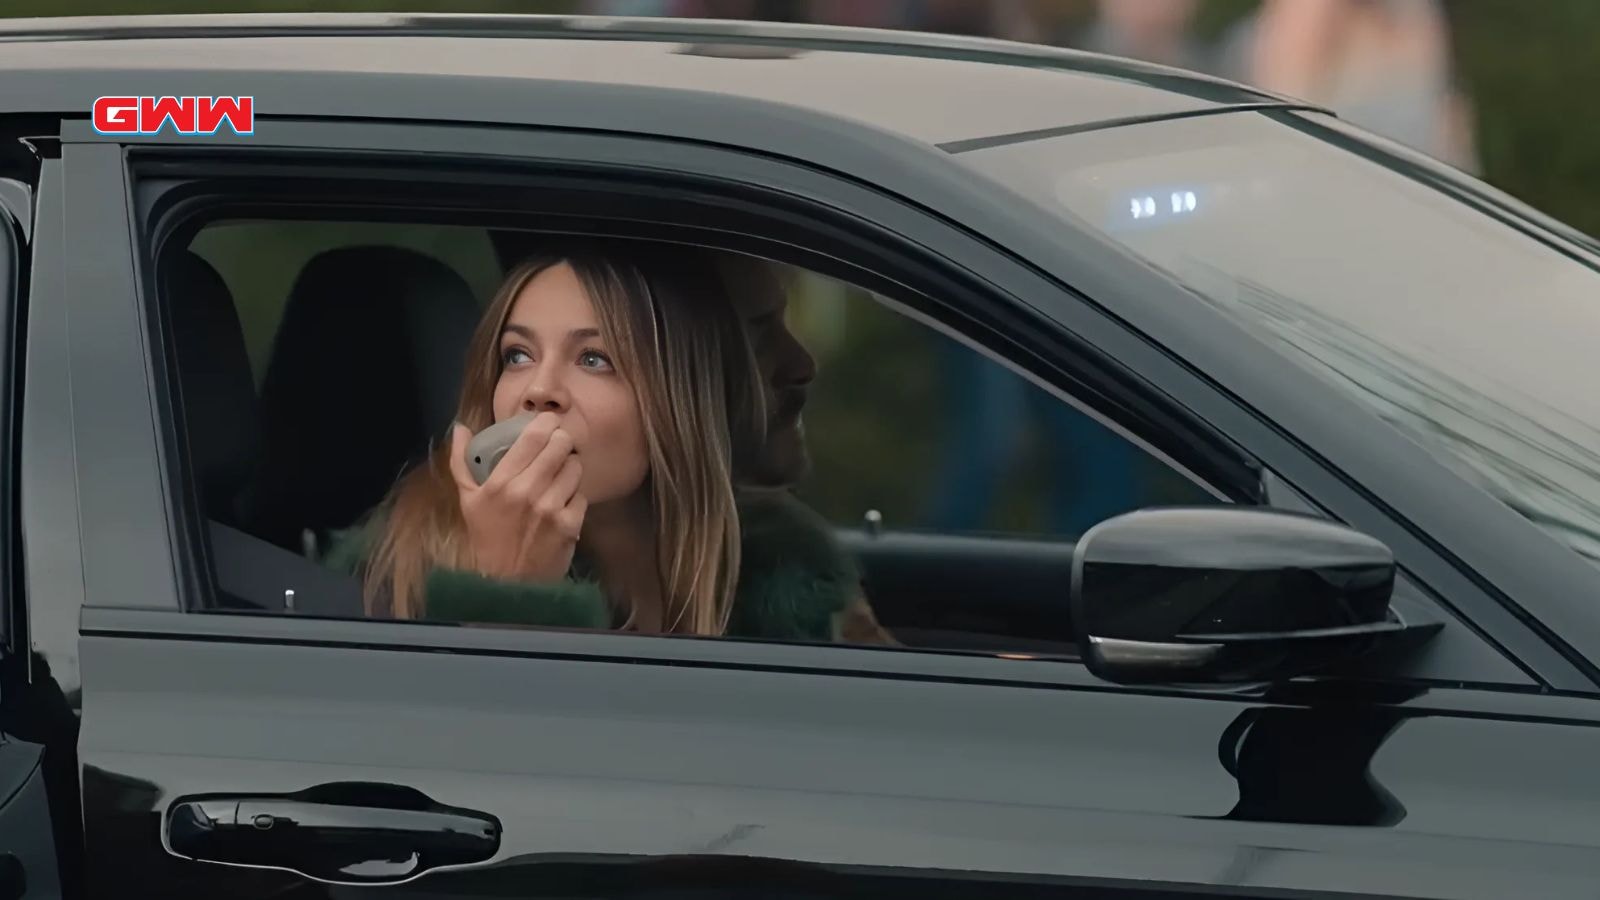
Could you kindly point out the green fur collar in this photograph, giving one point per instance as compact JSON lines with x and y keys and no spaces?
{"x":793,"y":580}
{"x":793,"y":577}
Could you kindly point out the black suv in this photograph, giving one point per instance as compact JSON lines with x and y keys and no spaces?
{"x":1348,"y":645}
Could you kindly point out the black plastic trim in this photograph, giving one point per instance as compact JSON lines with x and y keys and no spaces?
{"x":128,"y":557}
{"x":1464,"y":699}
{"x":1018,"y":137}
{"x":14,"y":244}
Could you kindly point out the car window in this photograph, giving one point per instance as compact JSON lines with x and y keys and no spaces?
{"x":1415,"y":303}
{"x":260,"y":259}
{"x":908,"y":489}
{"x":918,"y":431}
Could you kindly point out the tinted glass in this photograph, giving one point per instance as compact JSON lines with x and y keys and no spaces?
{"x":1466,"y":332}
{"x":936,"y":437}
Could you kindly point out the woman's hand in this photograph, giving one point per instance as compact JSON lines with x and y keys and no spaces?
{"x":523,"y":521}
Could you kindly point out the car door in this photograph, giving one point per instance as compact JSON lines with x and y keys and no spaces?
{"x":271,"y":752}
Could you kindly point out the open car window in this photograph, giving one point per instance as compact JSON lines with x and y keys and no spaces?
{"x":320,"y":361}
{"x":914,"y":430}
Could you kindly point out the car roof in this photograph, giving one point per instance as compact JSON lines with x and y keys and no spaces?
{"x":934,"y":89}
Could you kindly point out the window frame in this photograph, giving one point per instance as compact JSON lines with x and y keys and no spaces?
{"x":296,"y":199}
{"x":16,"y":214}
{"x":1073,"y":320}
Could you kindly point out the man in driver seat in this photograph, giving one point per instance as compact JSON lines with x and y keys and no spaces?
{"x":768,"y":508}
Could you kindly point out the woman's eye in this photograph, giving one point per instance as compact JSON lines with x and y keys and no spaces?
{"x":513,"y":356}
{"x":593,"y":359}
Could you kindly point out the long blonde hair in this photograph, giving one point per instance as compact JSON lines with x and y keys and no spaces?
{"x":678,"y":342}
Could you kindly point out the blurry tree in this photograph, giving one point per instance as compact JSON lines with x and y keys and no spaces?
{"x":1528,"y":70}
{"x":1532,"y":72}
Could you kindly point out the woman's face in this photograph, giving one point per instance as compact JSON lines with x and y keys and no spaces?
{"x":553,"y":359}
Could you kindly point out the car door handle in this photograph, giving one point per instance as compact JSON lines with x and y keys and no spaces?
{"x":346,"y":833}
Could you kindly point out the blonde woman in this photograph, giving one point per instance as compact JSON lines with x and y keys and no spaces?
{"x":615,"y":507}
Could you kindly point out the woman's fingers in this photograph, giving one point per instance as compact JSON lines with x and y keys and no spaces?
{"x":570,"y":519}
{"x":534,"y":480}
{"x":523,"y":451}
{"x":563,"y":485}
{"x":460,"y":435}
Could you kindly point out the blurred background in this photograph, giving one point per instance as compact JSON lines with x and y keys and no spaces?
{"x":1499,"y":88}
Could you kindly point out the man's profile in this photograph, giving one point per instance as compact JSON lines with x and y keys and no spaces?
{"x":787,"y":370}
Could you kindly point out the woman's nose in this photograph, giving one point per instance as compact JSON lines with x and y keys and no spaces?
{"x":545,"y":394}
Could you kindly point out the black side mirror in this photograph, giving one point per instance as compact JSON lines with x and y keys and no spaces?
{"x":1226,"y":594}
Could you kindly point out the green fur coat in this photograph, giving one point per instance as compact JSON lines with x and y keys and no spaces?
{"x":795,"y":582}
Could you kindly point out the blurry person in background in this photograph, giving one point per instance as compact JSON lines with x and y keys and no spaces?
{"x":1151,"y":30}
{"x":1093,"y":473}
{"x":1010,"y":19}
{"x":861,"y":13}
{"x":759,"y":10}
{"x":630,"y":7}
{"x":1384,"y":65}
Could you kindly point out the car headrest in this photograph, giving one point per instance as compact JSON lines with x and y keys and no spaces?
{"x":217,"y":388}
{"x":364,"y":374}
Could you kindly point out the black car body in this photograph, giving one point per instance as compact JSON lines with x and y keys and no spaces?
{"x":141,"y":716}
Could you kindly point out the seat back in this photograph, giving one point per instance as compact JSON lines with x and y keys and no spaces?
{"x":215,"y":383}
{"x":364,"y":376}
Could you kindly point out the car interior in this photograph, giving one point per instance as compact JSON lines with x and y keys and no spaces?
{"x":286,"y":452}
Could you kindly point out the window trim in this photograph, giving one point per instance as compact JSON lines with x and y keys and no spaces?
{"x":841,"y":661}
{"x":1071,"y":316}
{"x":15,"y":222}
{"x":286,"y":202}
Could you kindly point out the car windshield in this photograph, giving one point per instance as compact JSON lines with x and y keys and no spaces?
{"x":1466,"y":332}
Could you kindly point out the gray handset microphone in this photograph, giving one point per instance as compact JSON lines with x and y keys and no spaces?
{"x":489,"y":445}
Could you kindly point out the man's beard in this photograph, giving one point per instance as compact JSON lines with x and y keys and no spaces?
{"x":784,"y":461}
